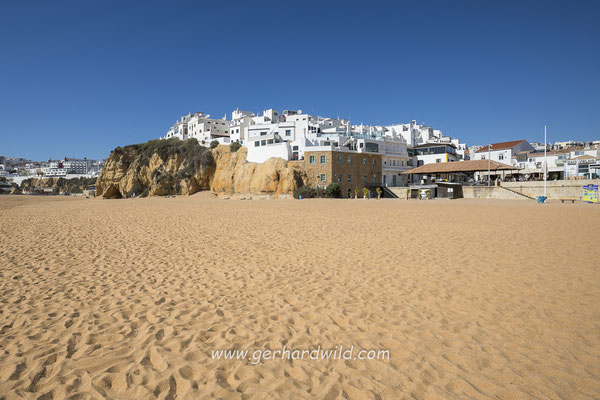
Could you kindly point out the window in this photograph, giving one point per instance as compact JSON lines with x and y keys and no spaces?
{"x":339,"y":159}
{"x":364,"y":161}
{"x":263,"y":134}
{"x":295,"y":148}
{"x":374,"y":179}
{"x":339,"y":178}
{"x":374,"y":161}
{"x":362,"y":145}
{"x":263,"y":142}
{"x":322,"y":177}
{"x":437,"y":160}
{"x":365,"y":179}
{"x":288,"y":132}
{"x":349,"y":178}
{"x":256,"y":144}
{"x":501,"y":157}
{"x":323,"y":160}
{"x":312,"y":159}
{"x":349,"y":160}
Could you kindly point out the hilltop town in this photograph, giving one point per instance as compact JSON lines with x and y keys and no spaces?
{"x":337,"y":151}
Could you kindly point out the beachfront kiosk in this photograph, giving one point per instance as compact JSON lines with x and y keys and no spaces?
{"x":460,"y":171}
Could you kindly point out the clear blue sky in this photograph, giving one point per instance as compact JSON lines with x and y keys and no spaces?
{"x":80,"y":78}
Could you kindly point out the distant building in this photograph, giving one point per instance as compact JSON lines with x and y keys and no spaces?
{"x":503,"y":151}
{"x":582,"y":166}
{"x":429,"y":153}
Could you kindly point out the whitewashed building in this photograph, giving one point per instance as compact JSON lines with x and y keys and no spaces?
{"x":290,"y":133}
{"x":429,"y":153}
{"x":240,"y":121}
{"x":503,"y":152}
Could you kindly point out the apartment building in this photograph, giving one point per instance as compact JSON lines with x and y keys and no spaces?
{"x":429,"y":153}
{"x":502,"y":152}
{"x":349,"y":169}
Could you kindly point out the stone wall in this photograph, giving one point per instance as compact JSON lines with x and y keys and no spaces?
{"x":493,"y":192}
{"x":563,"y":189}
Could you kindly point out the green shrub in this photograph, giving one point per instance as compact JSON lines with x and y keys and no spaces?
{"x":309,"y":192}
{"x":365,"y":192}
{"x":334,"y":190}
{"x":234,"y":146}
{"x":214,"y":144}
{"x":145,"y":193}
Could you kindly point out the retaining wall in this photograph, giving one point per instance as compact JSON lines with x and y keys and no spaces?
{"x":484,"y":192}
{"x":564,"y":189}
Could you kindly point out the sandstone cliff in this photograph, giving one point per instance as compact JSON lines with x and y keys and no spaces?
{"x":167,"y":167}
{"x":233,"y":175}
{"x":61,"y":185}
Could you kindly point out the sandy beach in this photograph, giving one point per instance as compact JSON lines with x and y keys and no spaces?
{"x":127,"y":299}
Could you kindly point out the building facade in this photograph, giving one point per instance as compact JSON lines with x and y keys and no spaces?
{"x":502,"y":152}
{"x":430,"y":153}
{"x":351,"y":170}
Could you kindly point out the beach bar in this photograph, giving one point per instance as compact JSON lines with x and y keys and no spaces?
{"x":460,"y":171}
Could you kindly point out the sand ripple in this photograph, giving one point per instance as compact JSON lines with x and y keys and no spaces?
{"x":126,"y":299}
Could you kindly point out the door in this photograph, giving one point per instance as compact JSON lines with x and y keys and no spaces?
{"x":394,"y":180}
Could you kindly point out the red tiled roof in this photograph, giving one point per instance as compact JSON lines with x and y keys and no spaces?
{"x":501,"y":145}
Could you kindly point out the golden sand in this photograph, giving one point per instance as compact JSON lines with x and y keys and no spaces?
{"x":127,"y":298}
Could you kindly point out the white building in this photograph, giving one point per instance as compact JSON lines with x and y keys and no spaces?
{"x":581,"y":166}
{"x":502,"y":152}
{"x":429,"y":153}
{"x":532,"y":163}
{"x":206,"y":129}
{"x":240,"y":121}
{"x":395,"y":160}
{"x":179,"y":129}
{"x":77,"y":166}
{"x":54,"y":172}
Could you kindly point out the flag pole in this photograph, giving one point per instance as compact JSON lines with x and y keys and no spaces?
{"x":489,"y":165}
{"x":545,"y":161}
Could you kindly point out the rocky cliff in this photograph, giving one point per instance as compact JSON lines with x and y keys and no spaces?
{"x":166,"y":167}
{"x":61,"y":185}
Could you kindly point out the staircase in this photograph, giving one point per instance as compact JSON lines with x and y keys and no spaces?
{"x":348,"y":141}
{"x":517,"y":192}
{"x":388,"y":193}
